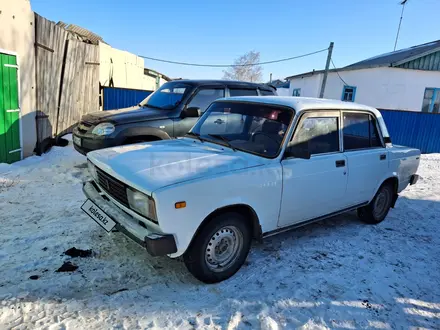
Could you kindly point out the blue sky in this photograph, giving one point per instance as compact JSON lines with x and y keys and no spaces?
{"x":220,"y":31}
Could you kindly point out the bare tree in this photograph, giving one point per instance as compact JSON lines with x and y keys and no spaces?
{"x":246,"y":69}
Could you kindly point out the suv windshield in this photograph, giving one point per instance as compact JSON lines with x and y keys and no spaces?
{"x":167,"y":97}
{"x":250,"y":127}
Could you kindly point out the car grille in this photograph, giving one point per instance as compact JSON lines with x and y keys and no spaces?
{"x":84,"y":126}
{"x":113,"y":187}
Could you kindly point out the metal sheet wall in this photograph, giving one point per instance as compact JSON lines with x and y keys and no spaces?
{"x":118,"y":98}
{"x":429,"y":62}
{"x":414,"y":129}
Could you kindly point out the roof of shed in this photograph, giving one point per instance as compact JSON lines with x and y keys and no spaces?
{"x":391,"y":59}
{"x":80,"y":33}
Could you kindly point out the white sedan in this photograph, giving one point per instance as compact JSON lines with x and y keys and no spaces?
{"x":251,"y":167}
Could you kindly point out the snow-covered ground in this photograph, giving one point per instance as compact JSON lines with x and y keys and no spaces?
{"x":339,"y":273}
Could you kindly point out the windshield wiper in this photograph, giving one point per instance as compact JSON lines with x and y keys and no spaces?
{"x":221,"y":137}
{"x":196,"y":135}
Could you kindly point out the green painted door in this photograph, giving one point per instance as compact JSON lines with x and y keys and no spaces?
{"x":10,"y":150}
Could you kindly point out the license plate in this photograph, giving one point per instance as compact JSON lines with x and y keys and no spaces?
{"x":98,"y":215}
{"x":77,"y":140}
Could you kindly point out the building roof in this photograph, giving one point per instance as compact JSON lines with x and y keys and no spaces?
{"x":392,"y":59}
{"x":80,"y":33}
{"x":154,"y":73}
{"x":399,"y":56}
{"x":277,"y":83}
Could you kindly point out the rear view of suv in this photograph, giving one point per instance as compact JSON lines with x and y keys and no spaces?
{"x":169,"y":112}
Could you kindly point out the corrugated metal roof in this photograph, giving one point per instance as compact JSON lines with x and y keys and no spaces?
{"x":280,"y":83}
{"x":81,"y":33}
{"x":399,"y":56}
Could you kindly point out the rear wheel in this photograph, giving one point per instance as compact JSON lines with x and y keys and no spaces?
{"x":379,"y":207}
{"x":219,"y":249}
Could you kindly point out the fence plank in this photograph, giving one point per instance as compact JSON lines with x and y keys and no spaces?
{"x":48,"y":74}
{"x":80,"y":90}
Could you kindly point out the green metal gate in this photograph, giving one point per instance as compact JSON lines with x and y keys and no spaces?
{"x":10,"y":150}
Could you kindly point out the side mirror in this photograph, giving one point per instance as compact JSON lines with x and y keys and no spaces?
{"x":298,"y":150}
{"x":191,"y":112}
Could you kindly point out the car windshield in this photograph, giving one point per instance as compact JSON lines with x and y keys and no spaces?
{"x":167,"y":97}
{"x":250,"y":127}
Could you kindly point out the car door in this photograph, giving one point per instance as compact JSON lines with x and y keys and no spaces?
{"x":317,"y":186}
{"x":202,"y":98}
{"x":367,"y":157}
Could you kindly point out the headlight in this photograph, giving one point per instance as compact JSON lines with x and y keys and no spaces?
{"x":104,"y":129}
{"x":142,"y":204}
{"x":92,"y":170}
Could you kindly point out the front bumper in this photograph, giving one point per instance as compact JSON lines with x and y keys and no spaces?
{"x":157,"y":244}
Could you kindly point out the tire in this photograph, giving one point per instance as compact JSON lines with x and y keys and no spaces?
{"x":225,"y":239}
{"x":378,"y":209}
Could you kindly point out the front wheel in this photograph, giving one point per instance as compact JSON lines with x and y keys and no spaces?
{"x":379,"y":207}
{"x":219,"y":249}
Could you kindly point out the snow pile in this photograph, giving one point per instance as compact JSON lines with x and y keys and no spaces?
{"x":339,"y":273}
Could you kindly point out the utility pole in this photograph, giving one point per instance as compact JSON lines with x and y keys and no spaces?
{"x":270,"y":79}
{"x":327,"y":66}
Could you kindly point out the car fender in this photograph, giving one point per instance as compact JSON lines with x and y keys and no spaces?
{"x":387,"y":176}
{"x":225,"y":190}
{"x":184,"y":240}
{"x":135,"y":131}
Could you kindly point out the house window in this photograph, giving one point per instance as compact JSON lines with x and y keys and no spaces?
{"x":431,"y":100}
{"x":296,"y":92}
{"x":348,"y":93}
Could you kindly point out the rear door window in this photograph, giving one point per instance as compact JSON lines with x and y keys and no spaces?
{"x":204,"y":97}
{"x":266,"y":93}
{"x":242,"y":92}
{"x":360,"y":131}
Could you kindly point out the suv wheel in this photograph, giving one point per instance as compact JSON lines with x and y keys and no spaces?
{"x":219,"y":249}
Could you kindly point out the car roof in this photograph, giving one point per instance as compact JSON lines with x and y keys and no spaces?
{"x":303,"y":103}
{"x":235,"y":83}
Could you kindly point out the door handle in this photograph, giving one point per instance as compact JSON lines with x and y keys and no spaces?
{"x":219,"y":121}
{"x":340,"y":163}
{"x":383,"y":157}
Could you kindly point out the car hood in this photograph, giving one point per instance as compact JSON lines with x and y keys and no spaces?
{"x":126,"y":115}
{"x":151,"y":166}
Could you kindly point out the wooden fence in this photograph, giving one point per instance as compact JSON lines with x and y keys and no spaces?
{"x":80,"y":87}
{"x":67,"y":81}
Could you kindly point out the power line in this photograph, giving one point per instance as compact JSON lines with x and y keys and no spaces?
{"x":336,"y":70}
{"x":232,"y":65}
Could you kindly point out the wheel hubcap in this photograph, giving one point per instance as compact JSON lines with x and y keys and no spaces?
{"x":223,"y":248}
{"x":380,"y":204}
